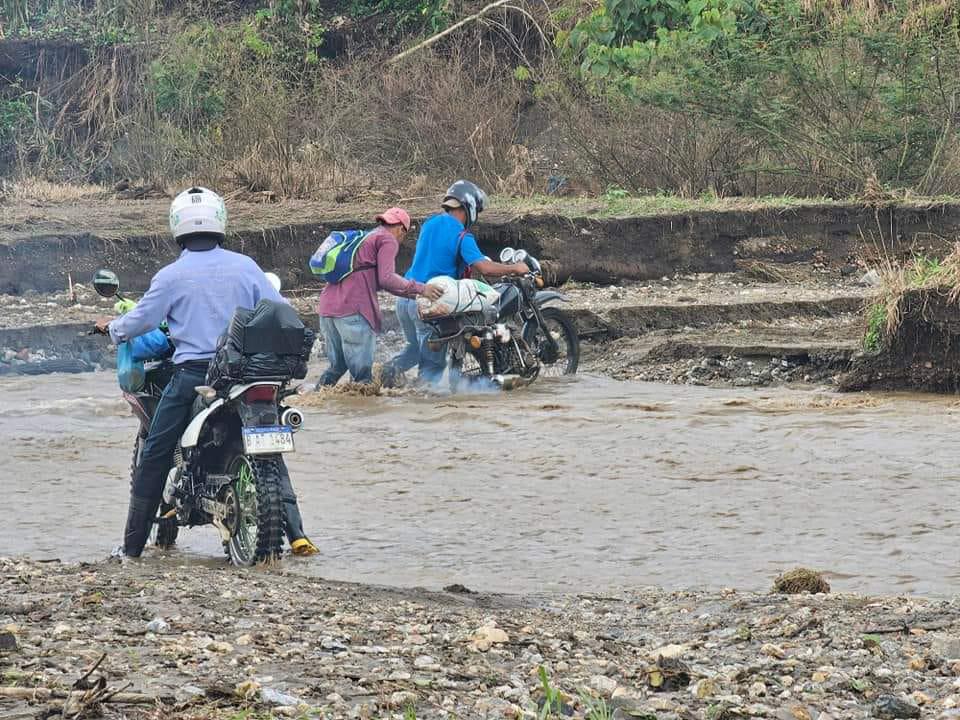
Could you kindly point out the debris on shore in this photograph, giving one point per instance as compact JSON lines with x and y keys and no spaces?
{"x":800,"y":580}
{"x":204,"y":641}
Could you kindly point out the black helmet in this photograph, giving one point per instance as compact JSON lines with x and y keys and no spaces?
{"x":464,"y":194}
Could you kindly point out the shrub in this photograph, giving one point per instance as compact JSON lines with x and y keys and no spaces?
{"x":835,"y":92}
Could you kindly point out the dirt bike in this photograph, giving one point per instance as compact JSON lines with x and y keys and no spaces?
{"x":523,"y":336}
{"x":228,"y":466}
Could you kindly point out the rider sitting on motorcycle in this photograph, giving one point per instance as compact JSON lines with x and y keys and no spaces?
{"x":196,"y":295}
{"x":444,"y":247}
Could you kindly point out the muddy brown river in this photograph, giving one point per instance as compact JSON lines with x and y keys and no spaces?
{"x":575,"y":486}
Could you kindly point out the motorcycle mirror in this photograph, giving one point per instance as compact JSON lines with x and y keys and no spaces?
{"x":106,"y":283}
{"x":506,"y":255}
{"x":274,"y":280}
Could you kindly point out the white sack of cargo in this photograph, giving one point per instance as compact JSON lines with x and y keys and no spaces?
{"x":459,"y":296}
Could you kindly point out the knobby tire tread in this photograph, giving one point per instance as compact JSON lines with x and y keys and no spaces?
{"x":266,"y":473}
{"x":167,"y":530}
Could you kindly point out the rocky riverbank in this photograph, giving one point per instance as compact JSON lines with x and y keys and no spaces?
{"x":704,"y":329}
{"x":207,"y":641}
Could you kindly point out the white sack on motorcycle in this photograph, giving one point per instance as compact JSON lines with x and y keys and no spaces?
{"x":459,"y":296}
{"x":268,"y":342}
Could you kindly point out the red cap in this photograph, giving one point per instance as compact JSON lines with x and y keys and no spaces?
{"x":395,"y":216}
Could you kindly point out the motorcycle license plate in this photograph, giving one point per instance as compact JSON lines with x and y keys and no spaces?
{"x":267,"y":440}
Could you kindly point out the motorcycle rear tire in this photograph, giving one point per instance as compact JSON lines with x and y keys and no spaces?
{"x":164,"y":532}
{"x":260,"y":473}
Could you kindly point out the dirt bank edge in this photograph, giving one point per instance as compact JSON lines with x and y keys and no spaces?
{"x":38,"y":256}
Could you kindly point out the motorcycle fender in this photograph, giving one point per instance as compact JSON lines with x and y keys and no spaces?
{"x":548,"y":298}
{"x":191,"y":435}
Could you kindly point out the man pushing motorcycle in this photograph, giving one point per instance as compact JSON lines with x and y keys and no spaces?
{"x":445,"y":247}
{"x":196,"y":296}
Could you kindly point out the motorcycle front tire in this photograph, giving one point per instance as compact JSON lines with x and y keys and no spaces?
{"x":163,"y":533}
{"x":563,"y":325}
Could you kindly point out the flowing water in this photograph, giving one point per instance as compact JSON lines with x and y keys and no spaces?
{"x":578,"y":486}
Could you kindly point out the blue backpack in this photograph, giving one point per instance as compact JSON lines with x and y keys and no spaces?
{"x":334,"y":259}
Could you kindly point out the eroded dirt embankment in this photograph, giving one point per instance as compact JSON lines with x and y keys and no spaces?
{"x":749,"y":295}
{"x":923,"y":351}
{"x":215,"y":642}
{"x":41,"y":244}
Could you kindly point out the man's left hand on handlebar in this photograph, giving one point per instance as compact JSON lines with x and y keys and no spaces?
{"x":102,"y":326}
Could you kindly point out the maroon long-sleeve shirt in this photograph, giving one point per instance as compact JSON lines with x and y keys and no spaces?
{"x":357,"y":293}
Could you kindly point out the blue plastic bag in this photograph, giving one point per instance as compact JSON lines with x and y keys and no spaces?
{"x":153,"y":346}
{"x":130,"y":372}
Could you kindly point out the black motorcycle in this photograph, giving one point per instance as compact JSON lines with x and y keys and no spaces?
{"x":523,"y":336}
{"x":228,"y":467}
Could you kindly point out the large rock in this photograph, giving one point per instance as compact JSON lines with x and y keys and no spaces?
{"x":890,"y":707}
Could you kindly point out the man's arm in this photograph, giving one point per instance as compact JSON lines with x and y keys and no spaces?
{"x":387,"y":277}
{"x":477,"y":261}
{"x":146,"y":316}
{"x":488,"y":267}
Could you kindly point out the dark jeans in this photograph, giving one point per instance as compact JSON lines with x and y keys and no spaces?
{"x":169,"y":422}
{"x":431,"y":363}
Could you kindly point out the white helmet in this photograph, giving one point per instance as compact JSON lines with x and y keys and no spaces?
{"x":274,"y":280}
{"x":197,"y":210}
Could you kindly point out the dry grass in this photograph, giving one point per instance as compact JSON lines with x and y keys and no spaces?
{"x":764,"y":272}
{"x":35,"y":190}
{"x":800,"y":580}
{"x":921,"y":273}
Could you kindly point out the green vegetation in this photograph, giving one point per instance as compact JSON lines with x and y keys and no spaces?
{"x":883,"y":315}
{"x":405,"y":16}
{"x":876,"y":320}
{"x":686,"y":101}
{"x":828,"y":94}
{"x":596,"y":709}
{"x":14,"y":114}
{"x":552,"y":699}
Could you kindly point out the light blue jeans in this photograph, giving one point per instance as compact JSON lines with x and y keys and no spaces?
{"x":431,"y":362}
{"x":350,"y":343}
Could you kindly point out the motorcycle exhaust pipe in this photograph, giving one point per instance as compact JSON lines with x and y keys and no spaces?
{"x":291,"y":417}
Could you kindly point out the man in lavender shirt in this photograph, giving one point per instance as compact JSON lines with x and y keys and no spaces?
{"x":350,"y":311}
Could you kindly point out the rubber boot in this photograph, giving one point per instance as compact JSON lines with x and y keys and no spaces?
{"x":140,"y":518}
{"x":292,"y":520}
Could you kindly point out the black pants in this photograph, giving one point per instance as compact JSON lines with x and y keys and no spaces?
{"x":168,"y":424}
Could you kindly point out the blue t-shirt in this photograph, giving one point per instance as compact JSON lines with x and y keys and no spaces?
{"x":436,"y":252}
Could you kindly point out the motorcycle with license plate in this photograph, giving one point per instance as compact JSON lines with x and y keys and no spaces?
{"x":228,"y":463}
{"x":524,"y":335}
